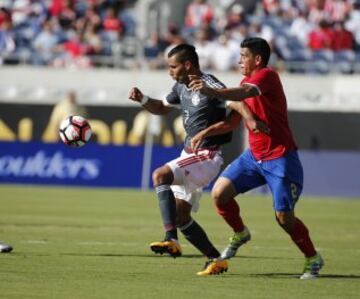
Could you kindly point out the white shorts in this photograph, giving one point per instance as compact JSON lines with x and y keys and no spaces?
{"x":192,"y":172}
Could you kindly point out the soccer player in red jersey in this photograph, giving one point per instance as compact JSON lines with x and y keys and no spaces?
{"x":272,"y":158}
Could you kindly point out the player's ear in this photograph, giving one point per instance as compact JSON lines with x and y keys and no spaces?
{"x":187,"y":64}
{"x":258,"y":60}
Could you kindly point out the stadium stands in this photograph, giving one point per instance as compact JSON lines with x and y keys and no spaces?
{"x":315,"y":36}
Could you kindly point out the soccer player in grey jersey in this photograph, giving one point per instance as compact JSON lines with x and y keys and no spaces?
{"x":178,"y":183}
{"x":199,"y":111}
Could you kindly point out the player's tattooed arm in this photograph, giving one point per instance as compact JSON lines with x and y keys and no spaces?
{"x":152,"y":105}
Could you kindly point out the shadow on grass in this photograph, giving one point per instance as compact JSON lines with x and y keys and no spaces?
{"x":264,"y":257}
{"x":292,"y":275}
{"x":129,"y":255}
{"x":165,"y":255}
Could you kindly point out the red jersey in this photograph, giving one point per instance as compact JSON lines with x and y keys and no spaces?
{"x":270,"y":107}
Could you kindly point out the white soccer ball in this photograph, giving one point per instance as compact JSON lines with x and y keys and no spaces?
{"x":75,"y":131}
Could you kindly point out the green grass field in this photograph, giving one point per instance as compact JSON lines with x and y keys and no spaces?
{"x":93,"y":243}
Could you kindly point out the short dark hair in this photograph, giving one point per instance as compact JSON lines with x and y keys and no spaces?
{"x":185,"y":52}
{"x":258,"y":46}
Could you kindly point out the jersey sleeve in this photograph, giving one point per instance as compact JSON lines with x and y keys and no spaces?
{"x":215,"y":83}
{"x":264,"y":80}
{"x":212,"y":81}
{"x":172,"y":99}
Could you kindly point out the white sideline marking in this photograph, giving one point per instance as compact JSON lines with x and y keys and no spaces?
{"x":36,"y":242}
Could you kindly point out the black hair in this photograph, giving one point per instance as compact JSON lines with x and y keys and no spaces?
{"x":258,"y":46}
{"x":185,"y":52}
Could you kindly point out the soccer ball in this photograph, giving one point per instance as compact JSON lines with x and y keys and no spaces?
{"x":75,"y":131}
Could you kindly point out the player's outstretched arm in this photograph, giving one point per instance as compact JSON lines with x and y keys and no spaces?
{"x":152,"y":105}
{"x":230,"y":94}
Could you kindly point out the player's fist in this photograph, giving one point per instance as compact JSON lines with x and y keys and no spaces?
{"x":135,"y":94}
{"x":257,"y":126}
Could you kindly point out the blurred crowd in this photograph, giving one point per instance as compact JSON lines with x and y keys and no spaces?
{"x":306,"y":35}
{"x":63,"y":32}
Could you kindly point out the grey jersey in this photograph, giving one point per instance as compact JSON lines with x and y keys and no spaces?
{"x":199,"y":111}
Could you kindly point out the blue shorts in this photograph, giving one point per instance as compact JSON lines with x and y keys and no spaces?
{"x":284,"y":176}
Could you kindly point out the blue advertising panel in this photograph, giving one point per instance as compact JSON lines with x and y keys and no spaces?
{"x":91,"y":165}
{"x":327,"y":173}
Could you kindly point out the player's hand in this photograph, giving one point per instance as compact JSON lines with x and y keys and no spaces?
{"x":196,"y":141}
{"x":197,"y":84}
{"x":257,"y":126}
{"x":135,"y":94}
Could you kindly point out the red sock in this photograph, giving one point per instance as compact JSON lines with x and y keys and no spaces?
{"x":300,"y":236}
{"x":231,"y":214}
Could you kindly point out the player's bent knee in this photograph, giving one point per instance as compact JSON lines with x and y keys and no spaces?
{"x":222,"y":192}
{"x":162,"y":175}
{"x":217,"y":196}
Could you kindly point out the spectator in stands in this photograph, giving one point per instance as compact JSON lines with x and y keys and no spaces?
{"x":73,"y":53}
{"x":235,"y":17}
{"x":38,"y":15}
{"x":7,"y":42}
{"x":353,"y":23}
{"x":128,"y":17}
{"x":91,"y":18}
{"x":101,"y":24}
{"x":342,"y":39}
{"x":317,"y":12}
{"x":92,"y":40}
{"x":154,"y":49}
{"x":225,"y":55}
{"x":204,"y":47}
{"x":198,"y":13}
{"x":239,"y":33}
{"x":271,"y":7}
{"x":321,"y":37}
{"x":20,"y":11}
{"x":112,"y":25}
{"x":301,"y":28}
{"x":5,"y":15}
{"x":55,"y":7}
{"x":257,"y":29}
{"x":45,"y":45}
{"x":67,"y":15}
{"x":338,"y":9}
